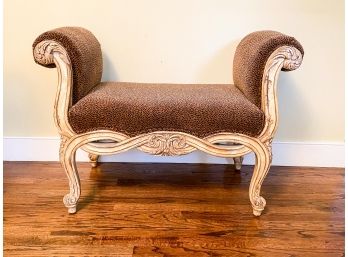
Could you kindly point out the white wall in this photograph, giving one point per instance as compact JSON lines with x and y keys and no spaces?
{"x":182,"y":41}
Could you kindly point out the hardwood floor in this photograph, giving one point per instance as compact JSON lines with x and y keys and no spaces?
{"x":172,"y":210}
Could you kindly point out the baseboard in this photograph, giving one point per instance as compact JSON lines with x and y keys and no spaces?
{"x":284,"y":153}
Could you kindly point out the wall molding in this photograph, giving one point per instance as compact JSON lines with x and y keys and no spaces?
{"x":316,"y":154}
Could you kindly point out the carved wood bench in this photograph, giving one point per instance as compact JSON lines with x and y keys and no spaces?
{"x":106,"y":118}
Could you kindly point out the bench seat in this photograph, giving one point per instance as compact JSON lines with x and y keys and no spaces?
{"x":137,"y":108}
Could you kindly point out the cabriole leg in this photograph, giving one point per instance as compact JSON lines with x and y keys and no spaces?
{"x":93,"y":159}
{"x":262,"y":164}
{"x":67,"y":157}
{"x":238,"y":162}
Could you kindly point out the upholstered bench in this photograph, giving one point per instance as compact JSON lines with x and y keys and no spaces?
{"x":106,"y":118}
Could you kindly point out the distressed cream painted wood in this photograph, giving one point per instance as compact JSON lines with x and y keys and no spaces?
{"x":106,"y":142}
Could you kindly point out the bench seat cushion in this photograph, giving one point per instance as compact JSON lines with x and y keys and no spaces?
{"x":137,"y":108}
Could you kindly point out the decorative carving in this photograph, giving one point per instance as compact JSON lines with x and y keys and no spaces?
{"x":258,"y":204}
{"x":43,"y":52}
{"x":268,"y":144}
{"x":63,"y":141}
{"x":166,"y":144}
{"x":293,"y":58}
{"x":70,"y":201}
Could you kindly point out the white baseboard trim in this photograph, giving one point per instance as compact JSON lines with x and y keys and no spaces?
{"x":284,"y":153}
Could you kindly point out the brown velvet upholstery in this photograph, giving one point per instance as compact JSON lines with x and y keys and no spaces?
{"x":135,"y":108}
{"x":251,"y":57}
{"x":85,"y":55}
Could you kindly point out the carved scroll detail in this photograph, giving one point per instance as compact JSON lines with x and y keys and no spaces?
{"x":293,"y":58}
{"x":166,"y":144}
{"x":43,"y":52}
{"x":257,"y":201}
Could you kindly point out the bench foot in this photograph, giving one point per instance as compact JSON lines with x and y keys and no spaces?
{"x":257,"y":209}
{"x":238,"y":162}
{"x":72,"y":210}
{"x":93,"y":160}
{"x":257,"y":213}
{"x":70,"y":202}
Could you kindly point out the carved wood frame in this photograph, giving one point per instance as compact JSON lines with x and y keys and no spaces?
{"x":105,"y":142}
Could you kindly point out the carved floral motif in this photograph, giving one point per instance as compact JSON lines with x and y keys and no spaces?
{"x":166,"y":144}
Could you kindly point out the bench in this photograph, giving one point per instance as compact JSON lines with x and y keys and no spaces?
{"x":225,"y":120}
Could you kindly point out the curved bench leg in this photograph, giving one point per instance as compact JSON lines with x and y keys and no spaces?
{"x":262,"y":165}
{"x":238,"y":162}
{"x":93,"y":160}
{"x":67,"y":158}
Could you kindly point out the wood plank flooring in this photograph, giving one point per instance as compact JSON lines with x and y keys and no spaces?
{"x":172,"y":210}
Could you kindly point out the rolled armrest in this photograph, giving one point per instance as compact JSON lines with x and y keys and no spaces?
{"x":85,"y":55}
{"x":250,"y":59}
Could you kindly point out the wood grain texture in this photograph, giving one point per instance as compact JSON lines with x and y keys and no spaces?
{"x":172,"y":210}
